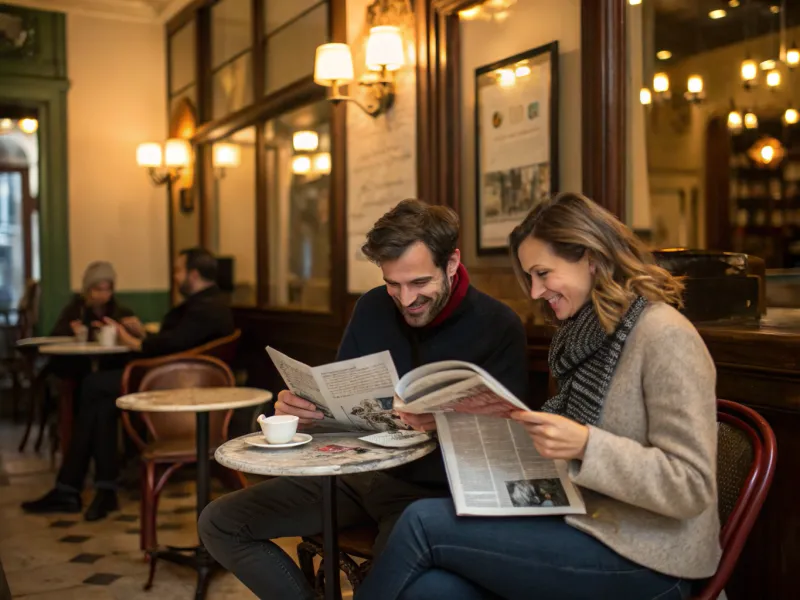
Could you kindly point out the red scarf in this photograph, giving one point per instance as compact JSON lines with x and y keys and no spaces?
{"x":457,"y":294}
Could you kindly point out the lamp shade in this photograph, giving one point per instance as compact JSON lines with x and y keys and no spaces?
{"x":660,"y":83}
{"x":695,"y":84}
{"x":177,"y":153}
{"x":322,"y":163}
{"x":333,"y":63}
{"x":226,"y":155}
{"x":385,"y":48}
{"x":301,"y":165}
{"x":148,"y":155}
{"x":29,"y":125}
{"x":305,"y":141}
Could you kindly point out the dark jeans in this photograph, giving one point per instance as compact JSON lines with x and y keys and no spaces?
{"x":432,"y":553}
{"x":237,"y":528}
{"x":94,"y":434}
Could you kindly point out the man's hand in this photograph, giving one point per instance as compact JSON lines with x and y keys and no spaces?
{"x":124,"y":337}
{"x":554,"y":436}
{"x":289,"y":404}
{"x":134,"y":326}
{"x":423,"y":422}
{"x":77,"y":328}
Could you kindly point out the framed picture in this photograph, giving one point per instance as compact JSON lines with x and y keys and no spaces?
{"x":516,"y":149}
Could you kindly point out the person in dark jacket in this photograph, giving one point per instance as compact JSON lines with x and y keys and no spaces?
{"x":93,"y":304}
{"x":202,"y":317}
{"x":426,"y":312}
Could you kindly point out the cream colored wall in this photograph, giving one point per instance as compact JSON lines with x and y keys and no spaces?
{"x":531,"y":23}
{"x":116,"y":100}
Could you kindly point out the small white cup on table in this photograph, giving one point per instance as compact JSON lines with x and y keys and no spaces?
{"x":278,"y":429}
{"x":107,"y":336}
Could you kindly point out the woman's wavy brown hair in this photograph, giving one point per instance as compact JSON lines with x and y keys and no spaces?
{"x":574,"y":226}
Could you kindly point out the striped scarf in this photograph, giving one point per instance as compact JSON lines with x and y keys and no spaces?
{"x":583,"y":358}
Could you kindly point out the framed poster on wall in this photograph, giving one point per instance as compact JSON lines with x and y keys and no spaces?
{"x":516,"y":124}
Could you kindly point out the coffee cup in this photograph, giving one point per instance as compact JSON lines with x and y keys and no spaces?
{"x":107,"y":336}
{"x":82,"y":334}
{"x":278,"y":429}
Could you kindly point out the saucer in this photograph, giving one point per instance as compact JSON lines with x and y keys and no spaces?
{"x":259,"y":442}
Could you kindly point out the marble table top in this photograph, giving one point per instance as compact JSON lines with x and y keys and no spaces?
{"x":325,"y":454}
{"x":83,"y":349}
{"x":194,"y":399}
{"x":44,"y":341}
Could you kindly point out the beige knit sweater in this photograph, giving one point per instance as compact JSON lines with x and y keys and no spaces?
{"x":649,"y":472}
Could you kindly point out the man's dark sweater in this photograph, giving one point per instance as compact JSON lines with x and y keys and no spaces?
{"x":201,"y":318}
{"x":481,"y":330}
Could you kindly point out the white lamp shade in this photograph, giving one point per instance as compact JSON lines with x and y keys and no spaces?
{"x":645,"y":97}
{"x":177,"y":153}
{"x":385,"y":48}
{"x":226,"y":155}
{"x":793,"y":57}
{"x":29,"y":125}
{"x":660,"y":82}
{"x":774,"y":78}
{"x":750,"y":120}
{"x":791,"y":116}
{"x":301,"y":165}
{"x":749,"y":70}
{"x":148,"y":155}
{"x":333,"y":63}
{"x":695,"y":84}
{"x":305,"y":141}
{"x":322,"y":163}
{"x":734,"y":120}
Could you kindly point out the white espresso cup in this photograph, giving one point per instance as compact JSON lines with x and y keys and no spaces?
{"x":278,"y":429}
{"x":107,"y":336}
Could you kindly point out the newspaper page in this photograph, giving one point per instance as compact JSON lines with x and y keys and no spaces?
{"x":494,"y":470}
{"x":353,"y":394}
{"x":454,"y":386}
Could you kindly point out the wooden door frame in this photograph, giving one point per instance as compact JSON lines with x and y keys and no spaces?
{"x":27,"y":212}
{"x":603,"y":91}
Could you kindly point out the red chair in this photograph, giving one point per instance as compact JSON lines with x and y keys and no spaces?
{"x":746,"y":455}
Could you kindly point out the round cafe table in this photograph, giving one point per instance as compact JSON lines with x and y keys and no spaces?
{"x":327,"y":455}
{"x":200,"y":401}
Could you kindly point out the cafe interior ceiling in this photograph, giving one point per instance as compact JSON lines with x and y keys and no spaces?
{"x":686,"y":27}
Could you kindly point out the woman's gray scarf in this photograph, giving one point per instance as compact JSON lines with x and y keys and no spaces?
{"x":583,"y":358}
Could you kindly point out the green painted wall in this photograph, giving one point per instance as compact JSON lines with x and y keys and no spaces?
{"x":148,"y":305}
{"x":35,"y":75}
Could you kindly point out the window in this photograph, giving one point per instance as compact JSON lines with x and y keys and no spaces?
{"x":298,"y":206}
{"x":293,"y":30}
{"x":183,"y":66}
{"x":231,"y":57}
{"x":233,"y":211}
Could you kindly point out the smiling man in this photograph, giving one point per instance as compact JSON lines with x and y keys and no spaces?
{"x":426,"y":312}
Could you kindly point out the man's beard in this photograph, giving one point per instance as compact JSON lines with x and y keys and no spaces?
{"x":435,"y":303}
{"x":184,"y":289}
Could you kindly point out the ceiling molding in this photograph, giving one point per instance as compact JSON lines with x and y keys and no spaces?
{"x":141,"y":11}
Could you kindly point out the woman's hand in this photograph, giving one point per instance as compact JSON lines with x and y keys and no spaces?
{"x":554,"y":436}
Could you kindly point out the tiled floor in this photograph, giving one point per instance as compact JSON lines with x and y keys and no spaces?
{"x":63,"y":557}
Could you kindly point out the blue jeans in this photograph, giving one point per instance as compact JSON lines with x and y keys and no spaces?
{"x":432,"y":553}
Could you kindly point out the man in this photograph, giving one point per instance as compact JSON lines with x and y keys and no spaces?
{"x":201,"y":318}
{"x":426,"y":312}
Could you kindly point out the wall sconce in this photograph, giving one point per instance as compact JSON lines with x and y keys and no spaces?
{"x":177,"y":156}
{"x":695,"y":92}
{"x":749,"y":71}
{"x":333,"y":67}
{"x":29,"y":125}
{"x":793,"y":56}
{"x":225,"y":155}
{"x":301,"y":165}
{"x":750,"y":120}
{"x":735,"y":121}
{"x":305,"y":141}
{"x":773,"y":79}
{"x":661,"y":86}
{"x":791,"y":116}
{"x":645,"y":96}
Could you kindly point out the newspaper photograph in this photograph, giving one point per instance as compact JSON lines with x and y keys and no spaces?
{"x":494,"y":469}
{"x":353,"y":394}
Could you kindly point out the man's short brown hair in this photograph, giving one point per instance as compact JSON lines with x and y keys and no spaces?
{"x":409,"y":222}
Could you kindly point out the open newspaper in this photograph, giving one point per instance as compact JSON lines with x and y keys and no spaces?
{"x":492,"y":466}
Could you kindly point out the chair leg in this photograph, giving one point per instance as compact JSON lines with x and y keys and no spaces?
{"x":148,"y":515}
{"x":16,"y":392}
{"x":305,"y":556}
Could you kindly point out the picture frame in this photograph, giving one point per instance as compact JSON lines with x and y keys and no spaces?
{"x":516,"y":145}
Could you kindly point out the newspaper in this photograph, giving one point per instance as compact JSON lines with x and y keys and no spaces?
{"x":356,"y":395}
{"x":454,"y":386}
{"x":494,"y":469}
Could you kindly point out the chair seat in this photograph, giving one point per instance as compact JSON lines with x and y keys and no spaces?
{"x":356,"y":541}
{"x":180,"y":450}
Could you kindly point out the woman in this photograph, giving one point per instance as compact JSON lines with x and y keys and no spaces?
{"x":96,"y":301}
{"x":634,"y":416}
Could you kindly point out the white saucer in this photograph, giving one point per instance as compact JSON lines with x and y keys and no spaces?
{"x":259,"y":442}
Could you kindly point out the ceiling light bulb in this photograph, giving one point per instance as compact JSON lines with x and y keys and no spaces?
{"x":717,"y":14}
{"x":733,"y":3}
{"x":767,"y":65}
{"x":634,"y":2}
{"x":663,"y":55}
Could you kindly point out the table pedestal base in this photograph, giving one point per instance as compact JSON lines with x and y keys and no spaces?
{"x":196,"y":557}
